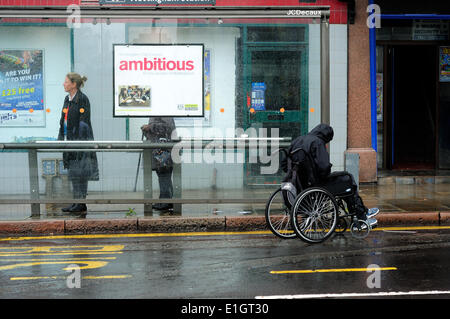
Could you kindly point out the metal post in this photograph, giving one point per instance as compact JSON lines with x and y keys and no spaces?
{"x":177,"y":187}
{"x":34,"y":181}
{"x":325,"y":70}
{"x":148,"y":186}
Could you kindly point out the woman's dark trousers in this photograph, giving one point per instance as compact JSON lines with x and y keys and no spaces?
{"x":165,"y":186}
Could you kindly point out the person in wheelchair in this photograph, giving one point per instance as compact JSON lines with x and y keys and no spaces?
{"x":316,"y":170}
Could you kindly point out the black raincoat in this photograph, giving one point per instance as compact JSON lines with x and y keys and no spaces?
{"x":159,"y":129}
{"x":314,"y":143}
{"x":80,"y":164}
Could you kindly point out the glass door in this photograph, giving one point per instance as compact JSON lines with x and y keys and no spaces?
{"x":276,"y":98}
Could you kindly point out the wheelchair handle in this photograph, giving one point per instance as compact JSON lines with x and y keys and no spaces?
{"x":281,"y":150}
{"x":296,"y":150}
{"x":285,"y":151}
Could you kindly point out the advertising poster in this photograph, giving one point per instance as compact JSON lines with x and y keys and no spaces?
{"x":258,"y":96}
{"x":206,"y":120}
{"x":159,"y":80}
{"x":21,"y":88}
{"x":207,"y":84}
{"x":444,"y":64}
{"x":379,"y":97}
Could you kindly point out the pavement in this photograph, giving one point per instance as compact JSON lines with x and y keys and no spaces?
{"x":402,"y":200}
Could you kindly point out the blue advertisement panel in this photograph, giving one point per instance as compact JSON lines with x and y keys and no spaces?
{"x":444,"y":64}
{"x":21,"y":88}
{"x":258,"y":96}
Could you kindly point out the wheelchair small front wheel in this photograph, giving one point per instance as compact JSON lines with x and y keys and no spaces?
{"x":314,"y":215}
{"x":278,"y":214}
{"x":360,"y":229}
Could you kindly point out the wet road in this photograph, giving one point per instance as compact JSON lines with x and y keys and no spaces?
{"x":222,"y":265}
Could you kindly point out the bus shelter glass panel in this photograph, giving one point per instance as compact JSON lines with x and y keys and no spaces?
{"x":259,"y":78}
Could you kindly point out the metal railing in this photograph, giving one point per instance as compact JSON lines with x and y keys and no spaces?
{"x":146,"y":148}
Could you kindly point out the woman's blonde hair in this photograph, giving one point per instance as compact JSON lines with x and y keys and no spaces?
{"x":76,"y":78}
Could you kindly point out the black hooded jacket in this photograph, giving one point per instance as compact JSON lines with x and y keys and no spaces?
{"x":314,"y":144}
{"x":79,"y":128}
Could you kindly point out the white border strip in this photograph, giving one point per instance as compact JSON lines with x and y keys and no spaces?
{"x":354,"y":295}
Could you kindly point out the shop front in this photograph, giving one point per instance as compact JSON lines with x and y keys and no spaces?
{"x":413,"y":86}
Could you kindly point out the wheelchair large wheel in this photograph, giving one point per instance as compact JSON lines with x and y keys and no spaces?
{"x":314,"y":215}
{"x":278,"y":214}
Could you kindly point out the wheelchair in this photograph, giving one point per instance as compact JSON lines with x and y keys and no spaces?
{"x":313,"y":214}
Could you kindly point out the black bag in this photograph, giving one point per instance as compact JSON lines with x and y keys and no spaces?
{"x":162,"y":160}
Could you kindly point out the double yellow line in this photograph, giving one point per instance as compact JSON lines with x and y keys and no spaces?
{"x":195,"y":234}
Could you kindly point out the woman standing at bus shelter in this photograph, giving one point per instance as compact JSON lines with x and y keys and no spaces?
{"x":75,"y":125}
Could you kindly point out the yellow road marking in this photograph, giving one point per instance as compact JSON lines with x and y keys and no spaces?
{"x":66,"y":249}
{"x":60,"y":250}
{"x":309,"y":271}
{"x":56,"y":254}
{"x":22,"y":254}
{"x":35,"y":278}
{"x":88,"y":264}
{"x":107,"y":277}
{"x":62,"y":277}
{"x":191,"y":234}
{"x":56,"y":259}
{"x":100,"y":236}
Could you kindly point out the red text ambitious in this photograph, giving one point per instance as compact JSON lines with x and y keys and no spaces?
{"x":156,"y":64}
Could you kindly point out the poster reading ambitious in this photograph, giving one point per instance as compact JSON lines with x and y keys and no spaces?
{"x":21,"y":88}
{"x":158,"y":80}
